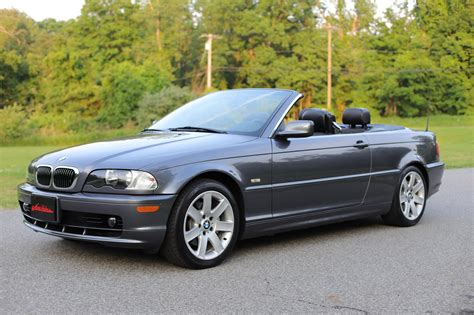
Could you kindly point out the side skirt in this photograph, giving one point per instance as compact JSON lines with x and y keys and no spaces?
{"x":305,"y":220}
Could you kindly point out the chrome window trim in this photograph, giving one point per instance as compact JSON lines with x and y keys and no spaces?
{"x":293,"y":102}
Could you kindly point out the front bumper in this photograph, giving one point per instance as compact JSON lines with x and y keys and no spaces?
{"x":80,"y":215}
{"x":435,"y":174}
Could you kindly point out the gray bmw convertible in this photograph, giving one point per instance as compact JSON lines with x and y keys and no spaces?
{"x":230,"y":165}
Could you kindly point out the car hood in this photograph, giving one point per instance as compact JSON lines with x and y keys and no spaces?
{"x":163,"y":149}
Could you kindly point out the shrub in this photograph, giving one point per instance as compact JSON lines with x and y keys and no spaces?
{"x":124,"y":87}
{"x":154,"y":106}
{"x":13,"y":120}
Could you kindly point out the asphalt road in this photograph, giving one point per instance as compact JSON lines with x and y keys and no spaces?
{"x":359,"y":266}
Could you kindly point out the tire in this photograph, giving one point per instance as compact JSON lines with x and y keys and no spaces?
{"x":207,"y":213}
{"x":409,"y":200}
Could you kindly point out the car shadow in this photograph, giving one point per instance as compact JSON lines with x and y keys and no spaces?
{"x":243,"y":247}
{"x":312,"y":234}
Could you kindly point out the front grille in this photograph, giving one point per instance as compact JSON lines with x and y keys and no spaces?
{"x":63,"y":177}
{"x":43,"y":175}
{"x":79,"y":223}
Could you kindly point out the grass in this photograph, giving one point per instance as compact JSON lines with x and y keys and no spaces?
{"x":13,"y":164}
{"x":70,"y":138}
{"x":455,"y":136}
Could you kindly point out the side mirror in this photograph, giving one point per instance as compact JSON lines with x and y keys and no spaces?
{"x":297,"y":129}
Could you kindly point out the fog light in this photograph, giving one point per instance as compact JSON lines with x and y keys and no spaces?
{"x":111,"y":222}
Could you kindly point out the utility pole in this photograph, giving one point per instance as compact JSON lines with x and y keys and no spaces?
{"x":208,"y":47}
{"x":329,"y":28}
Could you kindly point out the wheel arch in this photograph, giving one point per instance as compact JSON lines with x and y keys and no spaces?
{"x":423,"y":170}
{"x":231,"y":183}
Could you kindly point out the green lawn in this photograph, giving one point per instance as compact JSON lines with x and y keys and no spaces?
{"x":13,"y":164}
{"x":455,"y":135}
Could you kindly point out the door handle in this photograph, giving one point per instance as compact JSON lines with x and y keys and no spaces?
{"x":361,"y":144}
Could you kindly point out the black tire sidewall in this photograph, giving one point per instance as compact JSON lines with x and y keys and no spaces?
{"x":396,"y":207}
{"x":182,"y":205}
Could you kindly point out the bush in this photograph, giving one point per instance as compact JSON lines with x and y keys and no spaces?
{"x":13,"y":120}
{"x":124,"y":87}
{"x":154,"y":106}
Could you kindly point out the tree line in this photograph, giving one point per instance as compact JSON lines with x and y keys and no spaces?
{"x":126,"y":63}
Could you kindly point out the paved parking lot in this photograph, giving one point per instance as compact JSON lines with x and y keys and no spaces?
{"x":359,"y":266}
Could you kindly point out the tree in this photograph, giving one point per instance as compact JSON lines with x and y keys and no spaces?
{"x":15,"y":38}
{"x":176,"y":36}
{"x":123,"y":89}
{"x":267,"y":44}
{"x":449,"y":24}
{"x":106,"y":48}
{"x":413,"y":78}
{"x":95,"y":70}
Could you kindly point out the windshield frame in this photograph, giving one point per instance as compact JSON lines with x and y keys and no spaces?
{"x":258,"y":133}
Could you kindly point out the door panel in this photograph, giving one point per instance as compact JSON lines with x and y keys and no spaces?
{"x":319,"y":172}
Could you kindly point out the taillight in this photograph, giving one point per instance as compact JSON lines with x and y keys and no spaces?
{"x":437,"y":149}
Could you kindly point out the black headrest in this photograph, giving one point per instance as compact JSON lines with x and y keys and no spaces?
{"x":356,"y":116}
{"x":318,"y":116}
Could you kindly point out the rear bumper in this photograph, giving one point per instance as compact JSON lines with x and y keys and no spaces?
{"x":136,"y":230}
{"x":435,"y":174}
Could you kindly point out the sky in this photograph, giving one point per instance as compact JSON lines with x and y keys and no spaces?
{"x":43,"y":9}
{"x":69,"y":9}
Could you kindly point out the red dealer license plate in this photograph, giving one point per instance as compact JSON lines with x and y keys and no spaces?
{"x":44,"y":208}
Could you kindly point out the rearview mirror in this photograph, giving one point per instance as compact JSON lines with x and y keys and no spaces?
{"x":297,"y":129}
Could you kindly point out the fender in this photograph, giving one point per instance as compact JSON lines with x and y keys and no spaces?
{"x":176,"y":178}
{"x":244,"y":171}
{"x":392,"y":155}
{"x":411,"y":157}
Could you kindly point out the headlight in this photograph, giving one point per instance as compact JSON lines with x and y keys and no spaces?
{"x":122,"y":179}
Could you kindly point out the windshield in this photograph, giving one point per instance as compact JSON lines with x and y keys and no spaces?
{"x":233,"y":111}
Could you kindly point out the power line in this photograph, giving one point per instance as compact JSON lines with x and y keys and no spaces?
{"x":236,"y":69}
{"x":260,"y":69}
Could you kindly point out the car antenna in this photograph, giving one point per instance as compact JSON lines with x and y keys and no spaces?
{"x":428,"y":118}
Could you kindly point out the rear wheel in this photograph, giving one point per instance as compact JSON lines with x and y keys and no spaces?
{"x":410,"y":199}
{"x":203,"y":226}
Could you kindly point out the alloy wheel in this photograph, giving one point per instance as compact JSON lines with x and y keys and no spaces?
{"x":412,"y":195}
{"x":208,"y":225}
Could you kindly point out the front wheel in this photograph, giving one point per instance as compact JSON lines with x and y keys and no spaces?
{"x":410,"y":199}
{"x":203,"y":226}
